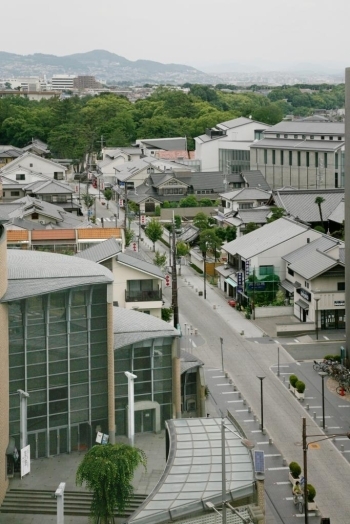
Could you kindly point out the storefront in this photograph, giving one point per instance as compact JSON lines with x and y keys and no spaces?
{"x":333,"y":319}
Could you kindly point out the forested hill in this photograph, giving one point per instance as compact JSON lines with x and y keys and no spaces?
{"x":102,"y":64}
{"x":75,"y":125}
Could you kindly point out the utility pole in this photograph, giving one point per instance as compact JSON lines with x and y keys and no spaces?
{"x":126,"y":206}
{"x":175,"y":303}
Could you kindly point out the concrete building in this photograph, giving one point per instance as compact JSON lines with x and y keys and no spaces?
{"x":226,"y":147}
{"x":303,"y":155}
{"x":62,"y":82}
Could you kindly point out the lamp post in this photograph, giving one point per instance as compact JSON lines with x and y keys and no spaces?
{"x":131,"y":411}
{"x":222,"y":353}
{"x":316,"y":319}
{"x":247,"y":444}
{"x":262,"y":402}
{"x":323,"y":374}
{"x":23,"y":399}
{"x":305,"y":448}
{"x":204,"y":253}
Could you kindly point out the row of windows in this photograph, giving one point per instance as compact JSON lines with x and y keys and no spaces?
{"x":311,"y":137}
{"x":303,"y":158}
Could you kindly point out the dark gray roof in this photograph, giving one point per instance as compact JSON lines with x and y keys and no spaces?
{"x":342,"y":255}
{"x":167,"y":144}
{"x":189,"y":234}
{"x":49,"y":187}
{"x":288,"y":286}
{"x":311,"y":128}
{"x":193,"y":472}
{"x":236,"y":122}
{"x":131,"y":326}
{"x":101,"y":251}
{"x":313,"y":265}
{"x":32,"y":273}
{"x":297,"y":145}
{"x":255,"y":179}
{"x":301,"y":202}
{"x":139,"y":264}
{"x":255,"y":214}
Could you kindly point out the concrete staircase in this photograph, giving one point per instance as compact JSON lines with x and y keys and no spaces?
{"x":76,"y":503}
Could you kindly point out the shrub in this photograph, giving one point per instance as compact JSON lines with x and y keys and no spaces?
{"x":311,"y":493}
{"x":300,"y":386}
{"x":293,"y":379}
{"x":295,"y":470}
{"x":335,"y":358}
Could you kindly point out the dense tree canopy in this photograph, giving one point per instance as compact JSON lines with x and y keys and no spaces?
{"x":76,"y":126}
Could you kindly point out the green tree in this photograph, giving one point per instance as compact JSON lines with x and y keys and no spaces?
{"x":251,"y":226}
{"x":88,"y":200}
{"x":182,"y":249}
{"x":205,"y":202}
{"x":107,"y":470}
{"x":129,"y":235}
{"x":201,"y":220}
{"x":167,"y":314}
{"x":154,"y":231}
{"x":160,"y":259}
{"x":178,"y":221}
{"x":319,"y":201}
{"x":231,"y":233}
{"x":277,"y":212}
{"x":108,"y":193}
{"x":209,"y":241}
{"x":189,"y":201}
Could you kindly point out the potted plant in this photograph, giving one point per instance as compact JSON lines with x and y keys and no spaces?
{"x":293,"y":379}
{"x":294,"y":472}
{"x":299,"y":390}
{"x":311,"y":494}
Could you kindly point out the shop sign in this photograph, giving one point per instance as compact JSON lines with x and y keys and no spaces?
{"x":339,"y":302}
{"x":304,"y":294}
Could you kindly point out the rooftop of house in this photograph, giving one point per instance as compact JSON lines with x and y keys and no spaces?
{"x":32,"y":273}
{"x":298,"y":144}
{"x":305,"y":127}
{"x":314,"y":264}
{"x":49,"y":187}
{"x":338,"y":215}
{"x":246,"y":193}
{"x":258,"y":215}
{"x":255,"y":179}
{"x":237,"y":122}
{"x":300,"y":203}
{"x":265,"y":238}
{"x":168,"y":144}
{"x":322,"y":244}
{"x":101,"y":251}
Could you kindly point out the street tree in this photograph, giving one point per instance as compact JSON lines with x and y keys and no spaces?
{"x":209,"y":241}
{"x":160,"y":259}
{"x":201,"y":220}
{"x":88,"y":201}
{"x":107,"y":470}
{"x":154,"y":231}
{"x":319,"y":201}
{"x":182,"y":249}
{"x":108,"y":193}
{"x":129,"y":235}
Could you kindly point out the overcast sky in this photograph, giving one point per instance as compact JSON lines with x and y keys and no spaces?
{"x":193,"y":32}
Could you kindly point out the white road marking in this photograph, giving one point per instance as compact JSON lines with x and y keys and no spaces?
{"x":276,"y":341}
{"x":194,"y":344}
{"x":273,"y":455}
{"x":222,"y":385}
{"x":256,"y":431}
{"x":219,"y":376}
{"x":278,"y":469}
{"x":344,"y":406}
{"x":228,"y":392}
{"x":230,"y":401}
{"x":276,"y":366}
{"x":241,"y":410}
{"x":282,"y":483}
{"x":326,"y":338}
{"x":296,"y":340}
{"x":263,"y":444}
{"x":315,"y":407}
{"x":249,"y":420}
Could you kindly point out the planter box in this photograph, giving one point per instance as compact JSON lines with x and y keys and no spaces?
{"x":312,"y":506}
{"x":292,"y":480}
{"x":300,"y":396}
{"x":291,"y":388}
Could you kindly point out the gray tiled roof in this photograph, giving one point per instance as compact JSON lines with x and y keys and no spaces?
{"x":313,"y":265}
{"x":256,"y":214}
{"x":256,"y":179}
{"x":168,"y":144}
{"x":33,"y":273}
{"x":297,"y":145}
{"x":131,"y":326}
{"x":139,"y":264}
{"x":246,"y":193}
{"x":265,"y":238}
{"x":311,"y":128}
{"x":101,"y":251}
{"x":338,"y":215}
{"x":324,"y":243}
{"x":342,"y":255}
{"x":236,"y":122}
{"x":301,"y":202}
{"x":49,"y":187}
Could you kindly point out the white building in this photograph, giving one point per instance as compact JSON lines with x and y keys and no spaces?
{"x":226,"y":147}
{"x":28,"y":168}
{"x":62,"y":82}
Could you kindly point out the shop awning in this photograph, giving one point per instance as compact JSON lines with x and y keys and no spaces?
{"x":302,"y":304}
{"x":231,"y":282}
{"x":288,"y":286}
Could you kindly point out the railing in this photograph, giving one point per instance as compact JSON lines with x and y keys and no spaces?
{"x":142,"y":296}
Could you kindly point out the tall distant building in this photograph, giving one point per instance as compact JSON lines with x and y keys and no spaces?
{"x":86,"y":82}
{"x":62,"y":82}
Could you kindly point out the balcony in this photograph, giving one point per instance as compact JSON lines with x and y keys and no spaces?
{"x":143,"y":296}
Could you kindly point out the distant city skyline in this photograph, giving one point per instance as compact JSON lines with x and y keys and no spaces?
{"x":260,"y":35}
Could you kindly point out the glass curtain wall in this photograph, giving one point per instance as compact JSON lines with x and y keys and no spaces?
{"x":58,"y":354}
{"x":234,"y":160}
{"x":151,"y":362}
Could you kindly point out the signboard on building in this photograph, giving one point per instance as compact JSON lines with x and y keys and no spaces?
{"x":257,"y":286}
{"x":339,"y":303}
{"x":25,"y":461}
{"x":304,"y":294}
{"x":240,"y":279}
{"x":247,"y":268}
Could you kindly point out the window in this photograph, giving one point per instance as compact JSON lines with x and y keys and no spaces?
{"x":247,"y":205}
{"x":325,"y":160}
{"x":14,"y":193}
{"x":30,"y":165}
{"x":316,"y":159}
{"x":273,"y":157}
{"x":299,"y":159}
{"x":336,"y":180}
{"x":258,"y":134}
{"x":341,"y":286}
{"x":303,"y":137}
{"x":339,"y":138}
{"x":282,"y":157}
{"x":265,"y":156}
{"x":307,"y":285}
{"x":278,"y":135}
{"x":295,"y":136}
{"x":35,"y":216}
{"x":312,"y":137}
{"x":290,"y":272}
{"x":290,"y":158}
{"x":285,"y":136}
{"x":20,"y":177}
{"x":266,"y":270}
{"x":307,"y":159}
{"x":322,"y":137}
{"x":330,"y":138}
{"x":336,"y":161}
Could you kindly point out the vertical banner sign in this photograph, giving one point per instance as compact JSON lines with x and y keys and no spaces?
{"x":121,"y":202}
{"x":143,"y":220}
{"x":240,"y":282}
{"x":102,"y":186}
{"x":25,"y":461}
{"x":247,"y":268}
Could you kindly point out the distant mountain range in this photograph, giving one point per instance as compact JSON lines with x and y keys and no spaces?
{"x":104,"y":65}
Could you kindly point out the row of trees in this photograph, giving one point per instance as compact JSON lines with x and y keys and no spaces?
{"x":76,"y":126}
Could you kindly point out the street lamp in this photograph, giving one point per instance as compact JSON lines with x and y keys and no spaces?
{"x":316,"y":320}
{"x":305,"y":448}
{"x":262,"y":402}
{"x":23,"y":396}
{"x":247,"y":444}
{"x":323,"y":374}
{"x":131,"y":411}
{"x":222,"y":353}
{"x":204,"y":253}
